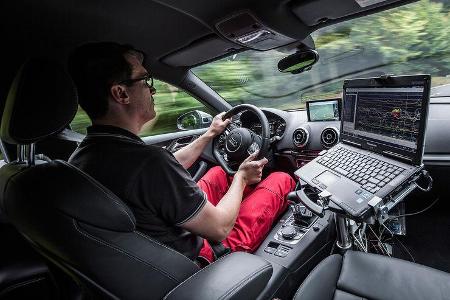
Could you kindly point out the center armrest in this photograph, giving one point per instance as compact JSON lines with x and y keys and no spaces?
{"x":238,"y":275}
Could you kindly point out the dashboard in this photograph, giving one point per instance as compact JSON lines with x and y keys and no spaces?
{"x":300,"y":140}
{"x":292,"y":130}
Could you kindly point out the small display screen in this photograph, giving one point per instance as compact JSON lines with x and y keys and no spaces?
{"x":390,"y":116}
{"x":323,"y":110}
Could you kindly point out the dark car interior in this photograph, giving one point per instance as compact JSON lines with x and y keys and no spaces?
{"x":65,"y":236}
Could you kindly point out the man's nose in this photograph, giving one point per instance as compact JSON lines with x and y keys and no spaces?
{"x":152,"y":90}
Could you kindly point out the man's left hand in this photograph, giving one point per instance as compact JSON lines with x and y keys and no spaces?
{"x":218,"y":125}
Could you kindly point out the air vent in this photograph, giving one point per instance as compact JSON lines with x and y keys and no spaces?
{"x":300,"y":137}
{"x":329,"y":137}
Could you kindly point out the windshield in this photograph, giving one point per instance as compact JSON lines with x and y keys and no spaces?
{"x":412,"y":39}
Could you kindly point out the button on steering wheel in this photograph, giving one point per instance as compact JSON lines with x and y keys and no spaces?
{"x":236,"y":143}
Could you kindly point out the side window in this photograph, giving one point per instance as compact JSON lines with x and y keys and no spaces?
{"x":170,"y":103}
{"x":80,"y":122}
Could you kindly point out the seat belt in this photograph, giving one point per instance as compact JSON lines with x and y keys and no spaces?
{"x":219,"y":249}
{"x":70,"y":135}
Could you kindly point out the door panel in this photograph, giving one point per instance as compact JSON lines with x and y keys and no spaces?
{"x":177,"y":140}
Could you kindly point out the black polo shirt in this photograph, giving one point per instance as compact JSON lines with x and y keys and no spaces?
{"x":159,"y":191}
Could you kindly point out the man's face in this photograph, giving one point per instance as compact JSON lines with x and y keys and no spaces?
{"x":141,"y":96}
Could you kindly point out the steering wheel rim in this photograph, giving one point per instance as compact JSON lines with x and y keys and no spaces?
{"x":265,"y":136}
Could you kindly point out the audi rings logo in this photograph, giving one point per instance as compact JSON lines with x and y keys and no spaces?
{"x":233,"y":141}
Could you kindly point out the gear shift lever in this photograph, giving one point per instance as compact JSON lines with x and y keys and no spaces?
{"x":302,"y":215}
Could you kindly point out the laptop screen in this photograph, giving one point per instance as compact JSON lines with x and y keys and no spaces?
{"x":387,"y":116}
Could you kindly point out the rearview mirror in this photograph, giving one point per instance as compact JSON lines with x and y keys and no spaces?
{"x":195,"y":119}
{"x":298,"y":62}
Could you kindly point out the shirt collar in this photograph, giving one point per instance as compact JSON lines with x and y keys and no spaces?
{"x":112,"y":130}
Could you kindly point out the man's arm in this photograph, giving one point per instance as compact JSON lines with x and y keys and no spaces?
{"x":187,"y":155}
{"x":215,"y":222}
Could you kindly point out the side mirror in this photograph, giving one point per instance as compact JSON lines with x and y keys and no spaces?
{"x":298,"y":62}
{"x":195,"y":119}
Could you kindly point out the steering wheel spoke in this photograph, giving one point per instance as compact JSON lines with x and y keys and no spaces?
{"x":236,"y":143}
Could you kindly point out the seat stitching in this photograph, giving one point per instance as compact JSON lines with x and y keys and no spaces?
{"x":122,"y":251}
{"x":194,"y":275}
{"x":162,"y":245}
{"x":232,"y":290}
{"x":102,"y":189}
{"x":388,"y":259}
{"x":20,"y":284}
{"x":321,"y":263}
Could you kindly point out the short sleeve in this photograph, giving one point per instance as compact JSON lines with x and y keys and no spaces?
{"x":166,"y":188}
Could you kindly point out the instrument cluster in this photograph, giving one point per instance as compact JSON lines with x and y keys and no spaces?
{"x":277,"y":125}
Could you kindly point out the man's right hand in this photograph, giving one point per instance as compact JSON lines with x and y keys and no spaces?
{"x":251,"y":170}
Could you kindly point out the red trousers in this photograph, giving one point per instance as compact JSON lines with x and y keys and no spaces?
{"x":260,"y":207}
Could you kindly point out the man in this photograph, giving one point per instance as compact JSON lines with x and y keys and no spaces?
{"x":116,"y":91}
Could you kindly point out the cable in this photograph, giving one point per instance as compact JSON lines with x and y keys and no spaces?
{"x":430,"y":182}
{"x":406,"y":249}
{"x":392,"y":234}
{"x":359,"y":243}
{"x":417,"y":212}
{"x":380,"y":243}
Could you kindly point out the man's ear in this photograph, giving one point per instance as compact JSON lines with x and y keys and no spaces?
{"x":119,"y":94}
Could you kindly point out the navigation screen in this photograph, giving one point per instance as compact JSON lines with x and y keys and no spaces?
{"x":323,"y":110}
{"x":388,"y":115}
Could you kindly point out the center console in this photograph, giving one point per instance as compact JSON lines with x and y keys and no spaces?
{"x":295,"y":245}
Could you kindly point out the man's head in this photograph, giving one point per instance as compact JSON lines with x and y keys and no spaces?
{"x":111,"y":80}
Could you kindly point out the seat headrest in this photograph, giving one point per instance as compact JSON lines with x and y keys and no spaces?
{"x":41,"y":102}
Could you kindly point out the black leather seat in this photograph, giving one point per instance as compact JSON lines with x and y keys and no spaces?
{"x":359,"y":275}
{"x":84,"y":230}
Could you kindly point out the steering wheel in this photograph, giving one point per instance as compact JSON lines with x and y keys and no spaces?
{"x":236,"y":143}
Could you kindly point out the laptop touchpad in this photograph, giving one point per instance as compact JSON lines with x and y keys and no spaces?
{"x":327,"y":178}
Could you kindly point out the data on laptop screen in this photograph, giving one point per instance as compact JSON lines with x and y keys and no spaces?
{"x":388,"y":116}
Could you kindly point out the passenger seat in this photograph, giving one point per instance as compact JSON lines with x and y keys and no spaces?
{"x":359,"y":275}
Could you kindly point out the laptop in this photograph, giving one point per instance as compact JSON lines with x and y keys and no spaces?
{"x":381,"y":142}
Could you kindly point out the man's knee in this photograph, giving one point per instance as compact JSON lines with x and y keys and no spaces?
{"x":281,"y":180}
{"x":281,"y":177}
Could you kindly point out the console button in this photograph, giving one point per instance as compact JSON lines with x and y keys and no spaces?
{"x":288,"y":232}
{"x":281,"y":253}
{"x":270,"y":250}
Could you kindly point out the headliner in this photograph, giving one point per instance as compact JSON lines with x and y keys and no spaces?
{"x":176,"y":34}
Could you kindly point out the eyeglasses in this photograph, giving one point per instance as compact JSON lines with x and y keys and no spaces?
{"x":148,"y":79}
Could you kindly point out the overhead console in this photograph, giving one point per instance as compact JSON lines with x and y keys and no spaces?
{"x":244,"y":29}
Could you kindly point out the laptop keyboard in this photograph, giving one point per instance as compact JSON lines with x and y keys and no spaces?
{"x":372,"y":174}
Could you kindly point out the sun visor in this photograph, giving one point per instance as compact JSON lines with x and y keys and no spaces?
{"x":244,"y":29}
{"x":201,"y":50}
{"x":313,"y":13}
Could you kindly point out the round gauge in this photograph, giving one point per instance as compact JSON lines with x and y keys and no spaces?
{"x":280,"y":129}
{"x":272,"y":126}
{"x":256,"y":128}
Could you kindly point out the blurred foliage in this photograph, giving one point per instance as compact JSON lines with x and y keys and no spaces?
{"x":170,"y":102}
{"x":407,"y":40}
{"x":410,"y":39}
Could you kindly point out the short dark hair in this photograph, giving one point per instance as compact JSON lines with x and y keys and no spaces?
{"x":94,"y":67}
